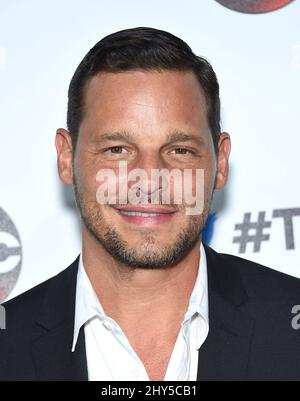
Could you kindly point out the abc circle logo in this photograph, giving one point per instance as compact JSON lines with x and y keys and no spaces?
{"x":10,"y":255}
{"x":254,"y":6}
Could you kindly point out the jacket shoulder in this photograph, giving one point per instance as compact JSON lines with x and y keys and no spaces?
{"x":29,"y":316}
{"x":25,"y":308}
{"x":262,"y":281}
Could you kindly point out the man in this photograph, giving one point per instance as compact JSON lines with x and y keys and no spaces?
{"x":146,"y":299}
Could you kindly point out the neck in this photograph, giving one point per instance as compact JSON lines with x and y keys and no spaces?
{"x":149,"y":296}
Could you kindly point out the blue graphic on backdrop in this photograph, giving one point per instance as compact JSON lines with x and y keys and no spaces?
{"x":208,"y":230}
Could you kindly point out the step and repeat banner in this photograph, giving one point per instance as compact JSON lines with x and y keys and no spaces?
{"x":254,"y":47}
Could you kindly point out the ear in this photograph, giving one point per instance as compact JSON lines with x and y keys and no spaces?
{"x":64,"y":149}
{"x":224,"y":147}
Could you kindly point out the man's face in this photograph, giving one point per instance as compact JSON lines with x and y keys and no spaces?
{"x":151,"y":120}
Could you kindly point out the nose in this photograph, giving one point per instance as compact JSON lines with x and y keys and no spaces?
{"x":148,"y":187}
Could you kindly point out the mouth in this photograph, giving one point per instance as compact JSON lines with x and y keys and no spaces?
{"x":145,"y":216}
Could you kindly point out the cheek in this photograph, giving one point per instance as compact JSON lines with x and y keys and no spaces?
{"x":210,"y":175}
{"x":85,"y":177}
{"x":203,"y":179}
{"x":209,"y":179}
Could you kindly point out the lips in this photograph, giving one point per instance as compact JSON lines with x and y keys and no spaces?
{"x":146,"y":208}
{"x":143,"y":215}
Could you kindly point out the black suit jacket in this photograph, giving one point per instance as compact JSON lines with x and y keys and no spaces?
{"x":250,"y":335}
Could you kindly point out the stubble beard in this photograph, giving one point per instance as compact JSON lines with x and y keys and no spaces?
{"x":150,"y":254}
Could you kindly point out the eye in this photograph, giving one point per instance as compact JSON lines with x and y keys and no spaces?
{"x":182,"y":151}
{"x":115,"y":149}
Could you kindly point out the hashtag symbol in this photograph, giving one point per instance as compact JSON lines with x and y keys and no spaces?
{"x":257,"y":238}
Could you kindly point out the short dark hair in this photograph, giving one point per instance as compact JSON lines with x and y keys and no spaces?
{"x":142,"y":49}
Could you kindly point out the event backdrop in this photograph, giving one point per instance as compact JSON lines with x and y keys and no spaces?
{"x":254,"y":47}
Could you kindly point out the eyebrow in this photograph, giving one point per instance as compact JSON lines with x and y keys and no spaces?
{"x":175,"y":136}
{"x":178,"y":136}
{"x":117,"y":136}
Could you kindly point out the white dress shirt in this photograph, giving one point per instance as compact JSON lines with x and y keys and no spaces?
{"x":109,"y":353}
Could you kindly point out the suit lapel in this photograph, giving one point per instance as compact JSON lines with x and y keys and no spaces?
{"x":52,"y":354}
{"x":224,"y":354}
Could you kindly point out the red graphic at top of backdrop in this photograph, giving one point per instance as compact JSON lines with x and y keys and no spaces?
{"x":254,"y":6}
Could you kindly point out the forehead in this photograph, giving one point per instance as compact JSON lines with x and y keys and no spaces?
{"x":145,"y":98}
